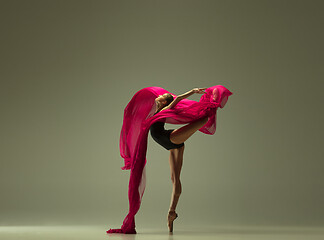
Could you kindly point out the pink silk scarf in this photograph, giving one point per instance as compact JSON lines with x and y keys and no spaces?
{"x":138,"y":117}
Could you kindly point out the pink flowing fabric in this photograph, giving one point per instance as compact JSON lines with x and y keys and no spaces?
{"x":138,"y":117}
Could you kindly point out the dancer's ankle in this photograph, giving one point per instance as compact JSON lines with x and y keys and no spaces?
{"x":171,"y":211}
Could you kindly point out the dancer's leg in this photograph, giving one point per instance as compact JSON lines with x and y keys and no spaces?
{"x":175,"y":160}
{"x":180,"y":135}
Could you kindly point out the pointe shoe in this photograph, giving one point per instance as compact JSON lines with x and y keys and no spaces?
{"x":171,"y":217}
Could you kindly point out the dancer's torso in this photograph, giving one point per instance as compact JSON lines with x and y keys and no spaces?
{"x":157,"y":128}
{"x":162,"y":135}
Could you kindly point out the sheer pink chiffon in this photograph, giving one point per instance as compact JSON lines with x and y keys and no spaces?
{"x":138,"y":117}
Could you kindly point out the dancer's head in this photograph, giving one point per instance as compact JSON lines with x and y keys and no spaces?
{"x":165,"y":99}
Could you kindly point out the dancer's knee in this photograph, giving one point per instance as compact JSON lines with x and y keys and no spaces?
{"x":172,"y":179}
{"x":177,"y":191}
{"x":175,"y":179}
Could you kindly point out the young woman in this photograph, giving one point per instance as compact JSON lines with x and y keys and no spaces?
{"x":138,"y":121}
{"x":173,"y":140}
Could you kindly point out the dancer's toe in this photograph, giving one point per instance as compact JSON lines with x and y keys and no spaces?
{"x":171,"y":217}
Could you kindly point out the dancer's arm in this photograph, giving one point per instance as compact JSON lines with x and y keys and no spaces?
{"x":195,"y":90}
{"x":183,"y":96}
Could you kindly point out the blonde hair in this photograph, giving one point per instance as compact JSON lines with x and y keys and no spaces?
{"x":168,"y":98}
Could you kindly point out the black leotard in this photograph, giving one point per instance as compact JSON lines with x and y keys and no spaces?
{"x":162,"y":135}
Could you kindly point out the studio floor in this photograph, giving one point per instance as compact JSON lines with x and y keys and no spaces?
{"x":201,"y":233}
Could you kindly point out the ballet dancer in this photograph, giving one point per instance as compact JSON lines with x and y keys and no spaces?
{"x":173,"y":140}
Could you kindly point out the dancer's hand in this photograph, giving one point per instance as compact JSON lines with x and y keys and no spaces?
{"x":199,"y":90}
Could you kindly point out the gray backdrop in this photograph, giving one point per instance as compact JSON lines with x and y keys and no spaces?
{"x":69,"y":68}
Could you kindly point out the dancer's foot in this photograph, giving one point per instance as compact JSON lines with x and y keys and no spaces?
{"x":172,"y":215}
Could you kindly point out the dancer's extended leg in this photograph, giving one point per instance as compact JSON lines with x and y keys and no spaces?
{"x":180,"y":135}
